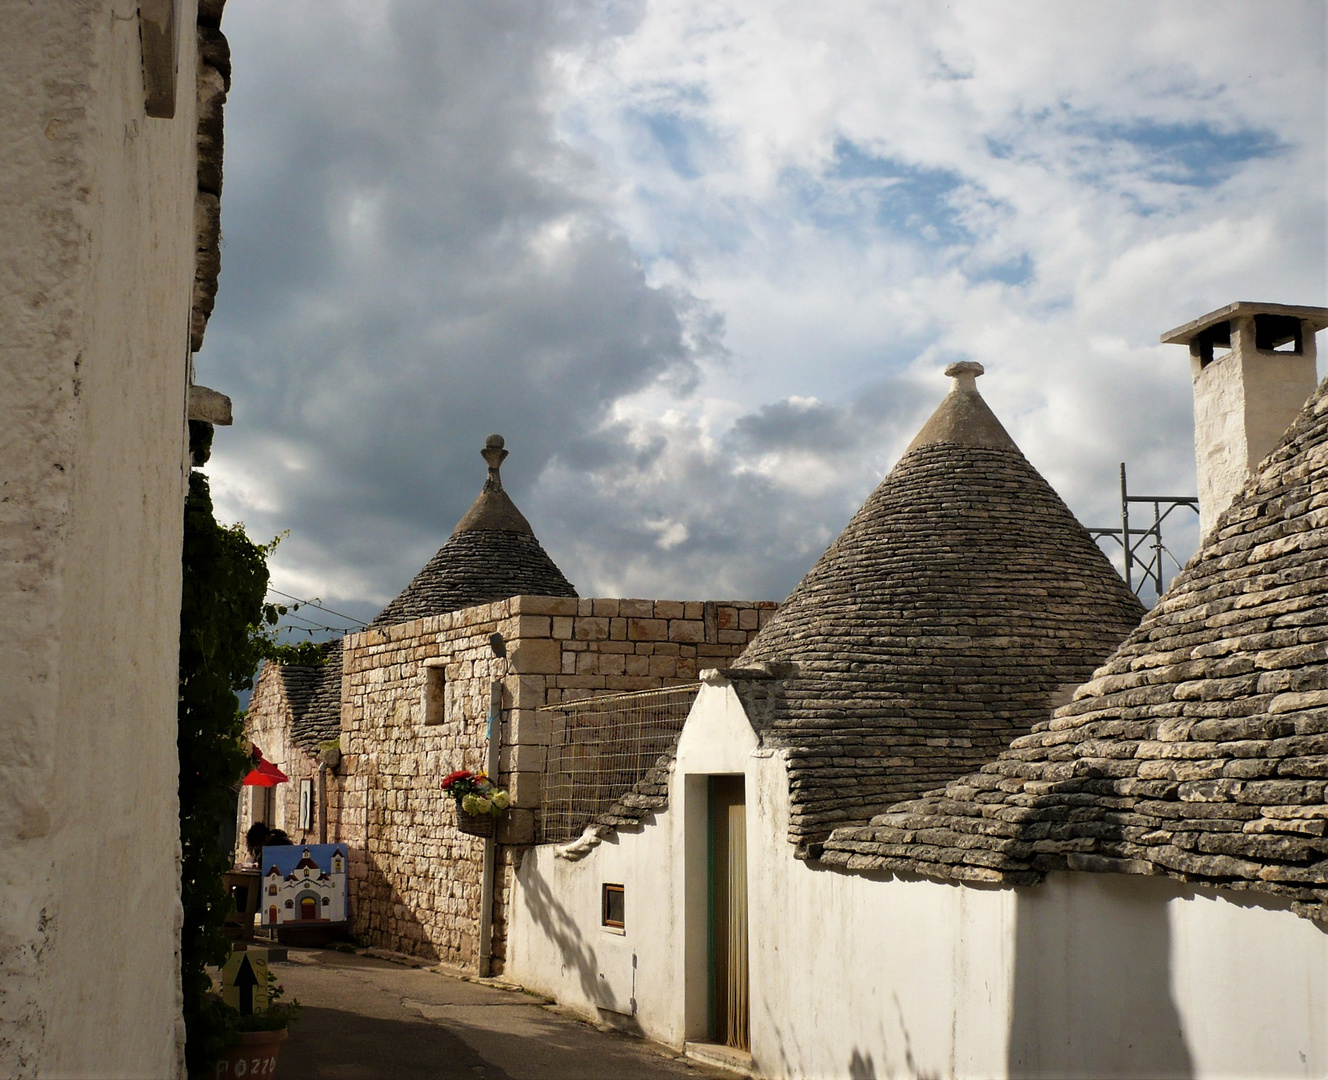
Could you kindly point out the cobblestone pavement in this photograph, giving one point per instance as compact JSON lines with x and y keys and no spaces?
{"x":365,"y":1018}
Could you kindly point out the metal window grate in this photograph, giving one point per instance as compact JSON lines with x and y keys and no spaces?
{"x":600,"y":748}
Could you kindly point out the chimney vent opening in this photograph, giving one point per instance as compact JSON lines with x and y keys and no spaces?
{"x":1204,"y":343}
{"x":1278,"y":334}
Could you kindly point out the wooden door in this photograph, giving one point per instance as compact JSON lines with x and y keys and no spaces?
{"x":728,"y":912}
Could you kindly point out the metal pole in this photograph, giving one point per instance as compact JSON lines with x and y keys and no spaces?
{"x":490,"y":843}
{"x":1157,"y":547}
{"x":1125,"y":527}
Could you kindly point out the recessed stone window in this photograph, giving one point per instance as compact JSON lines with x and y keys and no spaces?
{"x":435,"y":693}
{"x":614,"y":907}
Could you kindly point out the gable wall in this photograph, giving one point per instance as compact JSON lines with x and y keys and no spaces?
{"x":268,"y":725}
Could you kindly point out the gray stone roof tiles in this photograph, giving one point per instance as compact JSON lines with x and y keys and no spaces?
{"x":944,"y":620}
{"x":314,"y":696}
{"x":1199,"y":750}
{"x":492,"y":554}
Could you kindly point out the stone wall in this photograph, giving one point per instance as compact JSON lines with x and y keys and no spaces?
{"x":269,"y":728}
{"x":415,"y":880}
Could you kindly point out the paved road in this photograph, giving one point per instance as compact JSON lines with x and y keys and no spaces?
{"x":366,"y":1018}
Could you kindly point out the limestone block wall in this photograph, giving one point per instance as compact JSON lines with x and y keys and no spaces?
{"x":415,"y":880}
{"x":97,"y":266}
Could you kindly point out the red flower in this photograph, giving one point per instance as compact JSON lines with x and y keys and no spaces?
{"x":459,"y":774}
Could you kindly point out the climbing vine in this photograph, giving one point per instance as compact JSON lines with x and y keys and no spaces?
{"x":225,"y":630}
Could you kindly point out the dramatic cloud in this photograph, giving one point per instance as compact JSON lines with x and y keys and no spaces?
{"x":701,"y":263}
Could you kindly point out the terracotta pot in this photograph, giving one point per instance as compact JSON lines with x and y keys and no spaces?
{"x":255,"y":1055}
{"x":474,"y":824}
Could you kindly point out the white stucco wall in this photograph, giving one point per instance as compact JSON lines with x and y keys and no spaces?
{"x":868,"y":976}
{"x":96,"y":272}
{"x":1243,"y":403}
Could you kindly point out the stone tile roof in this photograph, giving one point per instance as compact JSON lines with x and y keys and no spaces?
{"x":944,"y":620}
{"x":491,"y":555}
{"x":648,"y":795}
{"x":314,"y":696}
{"x":1198,"y":751}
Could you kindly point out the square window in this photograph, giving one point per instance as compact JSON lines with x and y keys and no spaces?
{"x":435,"y":691}
{"x":614,"y":906}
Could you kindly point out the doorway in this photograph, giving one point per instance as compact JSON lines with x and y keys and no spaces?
{"x":729,"y":1003}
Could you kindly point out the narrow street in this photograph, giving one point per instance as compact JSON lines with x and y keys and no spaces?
{"x":366,"y":1018}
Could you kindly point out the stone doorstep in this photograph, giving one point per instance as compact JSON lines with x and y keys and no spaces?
{"x":724,"y":1057}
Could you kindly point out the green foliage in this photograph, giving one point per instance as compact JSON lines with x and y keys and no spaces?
{"x":278,"y":1016}
{"x":221,"y":612}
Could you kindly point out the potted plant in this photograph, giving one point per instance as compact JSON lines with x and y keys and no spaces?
{"x":254,"y":1038}
{"x":479,"y":802}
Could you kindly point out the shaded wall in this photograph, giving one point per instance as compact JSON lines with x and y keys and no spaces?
{"x":97,"y":265}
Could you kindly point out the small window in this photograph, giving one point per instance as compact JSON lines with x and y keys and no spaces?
{"x":435,"y":688}
{"x":614,"y":906}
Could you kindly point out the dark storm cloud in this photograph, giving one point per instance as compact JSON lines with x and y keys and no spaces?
{"x":410,"y":265}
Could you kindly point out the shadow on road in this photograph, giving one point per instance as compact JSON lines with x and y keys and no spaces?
{"x":328,"y":1044}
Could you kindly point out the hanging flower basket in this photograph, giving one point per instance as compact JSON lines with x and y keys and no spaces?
{"x":474,"y":824}
{"x":479,"y":803}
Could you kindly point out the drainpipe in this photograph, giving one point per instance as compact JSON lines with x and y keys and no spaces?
{"x":328,"y":760}
{"x":495,"y":735}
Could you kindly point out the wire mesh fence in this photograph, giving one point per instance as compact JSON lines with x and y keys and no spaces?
{"x":601,"y":747}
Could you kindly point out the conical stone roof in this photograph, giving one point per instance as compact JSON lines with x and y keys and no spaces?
{"x":946,"y":619}
{"x":491,"y":555}
{"x":313,"y":693}
{"x":1199,"y":750}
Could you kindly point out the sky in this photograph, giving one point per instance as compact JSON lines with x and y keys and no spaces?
{"x":702,"y":263}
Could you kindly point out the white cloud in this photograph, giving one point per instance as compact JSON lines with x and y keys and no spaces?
{"x":701,"y":262}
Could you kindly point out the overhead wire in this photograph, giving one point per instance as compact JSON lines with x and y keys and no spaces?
{"x":315,"y":603}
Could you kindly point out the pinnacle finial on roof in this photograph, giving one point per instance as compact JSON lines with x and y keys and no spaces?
{"x":963,"y":418}
{"x":965,"y":374}
{"x":494,"y":455}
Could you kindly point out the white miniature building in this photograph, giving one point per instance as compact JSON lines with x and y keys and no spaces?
{"x":307,"y":893}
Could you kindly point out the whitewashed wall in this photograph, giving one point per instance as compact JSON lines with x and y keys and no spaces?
{"x":860,"y":976}
{"x":96,"y":273}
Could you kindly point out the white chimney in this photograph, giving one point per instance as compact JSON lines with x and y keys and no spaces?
{"x":1253,"y":368}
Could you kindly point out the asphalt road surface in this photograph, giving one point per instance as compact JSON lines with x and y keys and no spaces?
{"x":366,"y":1018}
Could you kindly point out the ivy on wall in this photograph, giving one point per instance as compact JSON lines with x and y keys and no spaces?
{"x":225,"y":580}
{"x":225,"y":631}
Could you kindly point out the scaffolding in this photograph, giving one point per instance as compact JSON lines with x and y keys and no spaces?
{"x":1144,"y":548}
{"x":601,"y":747}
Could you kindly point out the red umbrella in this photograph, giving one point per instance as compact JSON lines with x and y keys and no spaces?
{"x":264,"y":773}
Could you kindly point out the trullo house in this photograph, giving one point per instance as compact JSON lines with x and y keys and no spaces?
{"x":961,"y":604}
